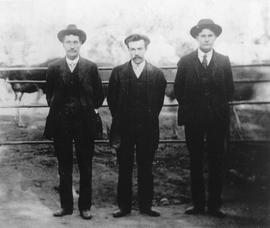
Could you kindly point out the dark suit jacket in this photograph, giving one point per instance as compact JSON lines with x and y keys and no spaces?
{"x":118,"y":97}
{"x":188,"y":89}
{"x":91,"y":91}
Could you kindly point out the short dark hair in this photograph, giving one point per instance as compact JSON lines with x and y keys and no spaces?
{"x":137,"y":37}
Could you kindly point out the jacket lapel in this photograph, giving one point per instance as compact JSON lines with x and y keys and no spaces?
{"x":214,"y":63}
{"x":148,"y":69}
{"x":64,"y":69}
{"x":196,"y":62}
{"x":125,"y":75}
{"x":81,"y":68}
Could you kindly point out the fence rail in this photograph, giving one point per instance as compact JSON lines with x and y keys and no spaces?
{"x":2,"y":69}
{"x":232,"y":103}
{"x":100,"y":141}
{"x":110,"y":67}
{"x":107,"y":82}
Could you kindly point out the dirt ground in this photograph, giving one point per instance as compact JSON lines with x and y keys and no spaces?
{"x":28,"y":196}
{"x":29,"y":180}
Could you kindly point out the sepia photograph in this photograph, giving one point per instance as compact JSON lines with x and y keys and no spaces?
{"x":131,"y":114}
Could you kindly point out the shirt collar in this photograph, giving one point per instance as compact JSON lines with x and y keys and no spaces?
{"x":208,"y":54}
{"x":138,"y":66}
{"x":72,"y":62}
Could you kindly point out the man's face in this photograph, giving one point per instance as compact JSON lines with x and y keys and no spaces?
{"x":206,"y":39}
{"x":137,"y":51}
{"x":72,"y":45}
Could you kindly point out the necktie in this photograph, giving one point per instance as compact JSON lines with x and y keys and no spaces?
{"x":72,"y":66}
{"x":204,"y":62}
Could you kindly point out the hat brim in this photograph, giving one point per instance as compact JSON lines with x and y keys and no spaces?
{"x":194,"y":31}
{"x":77,"y":32}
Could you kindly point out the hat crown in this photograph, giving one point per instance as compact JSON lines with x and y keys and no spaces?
{"x":72,"y":30}
{"x":72,"y":27}
{"x":205,"y":21}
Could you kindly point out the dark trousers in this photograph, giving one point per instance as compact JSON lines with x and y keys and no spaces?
{"x":73,"y":128}
{"x":144,"y":159}
{"x":214,"y":133}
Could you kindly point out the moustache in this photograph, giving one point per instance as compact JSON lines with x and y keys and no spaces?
{"x":137,"y":57}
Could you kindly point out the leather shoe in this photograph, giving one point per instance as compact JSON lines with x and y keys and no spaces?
{"x":216,"y":213}
{"x":62,"y":212}
{"x":194,"y":211}
{"x":85,"y":214}
{"x":120,"y":213}
{"x":150,"y":212}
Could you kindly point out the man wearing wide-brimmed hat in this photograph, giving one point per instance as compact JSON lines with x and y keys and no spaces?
{"x":74,"y":91}
{"x":203,"y":88}
{"x":135,"y":98}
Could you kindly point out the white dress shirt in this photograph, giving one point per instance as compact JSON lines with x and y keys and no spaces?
{"x":72,"y":63}
{"x":208,"y":55}
{"x":138,"y":68}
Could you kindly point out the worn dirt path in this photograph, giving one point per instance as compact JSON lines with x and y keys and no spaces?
{"x":23,"y":206}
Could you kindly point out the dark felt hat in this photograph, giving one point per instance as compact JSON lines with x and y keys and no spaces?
{"x":205,"y":23}
{"x":136,"y":37}
{"x":72,"y":30}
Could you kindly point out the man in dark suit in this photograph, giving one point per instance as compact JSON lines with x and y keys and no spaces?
{"x":74,"y":91}
{"x":203,"y":87}
{"x":135,"y":97}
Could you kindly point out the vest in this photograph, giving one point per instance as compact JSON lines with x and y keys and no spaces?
{"x":206,"y":99}
{"x":138,"y":97}
{"x":71,"y":105}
